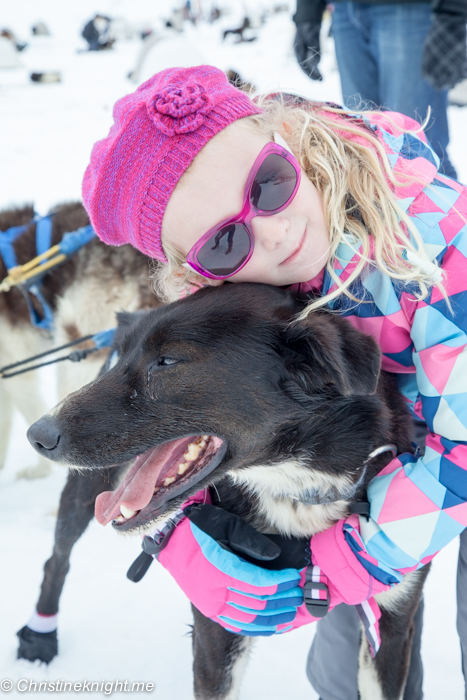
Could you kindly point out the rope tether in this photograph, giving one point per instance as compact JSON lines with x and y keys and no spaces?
{"x":103,"y":339}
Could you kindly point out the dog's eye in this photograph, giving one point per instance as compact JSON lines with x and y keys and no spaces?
{"x":165,"y":361}
{"x":160,"y":364}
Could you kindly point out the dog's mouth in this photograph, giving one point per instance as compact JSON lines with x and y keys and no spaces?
{"x":157,"y":476}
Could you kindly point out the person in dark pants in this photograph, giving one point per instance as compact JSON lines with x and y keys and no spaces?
{"x":403,"y":56}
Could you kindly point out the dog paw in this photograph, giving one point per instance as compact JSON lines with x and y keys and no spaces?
{"x":37,"y":646}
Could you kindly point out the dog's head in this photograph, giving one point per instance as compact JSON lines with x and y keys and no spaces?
{"x":219,"y":382}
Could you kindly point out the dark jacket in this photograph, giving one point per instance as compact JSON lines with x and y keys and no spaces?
{"x":90,"y":32}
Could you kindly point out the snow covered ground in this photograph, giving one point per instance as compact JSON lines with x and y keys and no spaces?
{"x":110,"y":628}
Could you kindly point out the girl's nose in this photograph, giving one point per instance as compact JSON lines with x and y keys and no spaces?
{"x":270,"y":231}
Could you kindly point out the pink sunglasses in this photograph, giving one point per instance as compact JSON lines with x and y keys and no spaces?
{"x":271,"y":185}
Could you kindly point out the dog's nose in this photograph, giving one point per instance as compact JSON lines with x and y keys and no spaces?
{"x":44,"y":435}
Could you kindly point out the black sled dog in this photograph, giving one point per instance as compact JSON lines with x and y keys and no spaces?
{"x":290,"y":409}
{"x":83,"y":293}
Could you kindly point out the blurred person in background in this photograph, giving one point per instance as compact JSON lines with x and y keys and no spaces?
{"x":404,"y":57}
{"x":96,"y":33}
{"x":306,"y":43}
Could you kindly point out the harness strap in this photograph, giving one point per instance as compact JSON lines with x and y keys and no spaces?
{"x":43,"y":319}
{"x":43,"y":239}
{"x":27,"y":277}
{"x":40,"y":319}
{"x":7,"y":238}
{"x":43,"y":234}
{"x":73,"y":241}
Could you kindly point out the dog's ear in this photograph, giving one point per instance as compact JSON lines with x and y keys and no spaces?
{"x":125,"y":319}
{"x":327,"y":352}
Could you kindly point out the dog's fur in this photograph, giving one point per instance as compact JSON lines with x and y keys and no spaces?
{"x":84,"y":294}
{"x":298,"y":406}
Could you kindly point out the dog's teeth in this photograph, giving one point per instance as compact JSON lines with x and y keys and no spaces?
{"x":156,"y":489}
{"x":182,"y":468}
{"x":192,"y":452}
{"x":119,"y":518}
{"x":202,"y":444}
{"x":205,"y":437}
{"x":169,"y":480}
{"x":127,"y":512}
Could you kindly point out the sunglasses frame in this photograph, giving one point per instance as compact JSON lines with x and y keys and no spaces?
{"x":247,"y":212}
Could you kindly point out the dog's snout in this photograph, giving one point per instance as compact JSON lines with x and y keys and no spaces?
{"x":44,"y":435}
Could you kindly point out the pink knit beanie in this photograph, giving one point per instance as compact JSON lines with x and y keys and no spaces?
{"x":157,"y":132}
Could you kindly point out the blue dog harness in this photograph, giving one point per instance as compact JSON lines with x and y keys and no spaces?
{"x":70,"y":244}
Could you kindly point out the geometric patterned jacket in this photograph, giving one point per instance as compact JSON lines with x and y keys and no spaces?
{"x":417,"y":505}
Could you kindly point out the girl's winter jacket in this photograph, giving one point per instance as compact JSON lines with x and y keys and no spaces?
{"x":417,"y":504}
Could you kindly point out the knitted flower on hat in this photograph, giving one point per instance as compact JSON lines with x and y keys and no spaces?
{"x":179,"y":110}
{"x":157,"y":132}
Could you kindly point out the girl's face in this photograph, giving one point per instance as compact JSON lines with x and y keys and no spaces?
{"x":291,"y":246}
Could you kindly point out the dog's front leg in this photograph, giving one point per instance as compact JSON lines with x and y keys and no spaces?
{"x":219,"y":660}
{"x":75,"y":512}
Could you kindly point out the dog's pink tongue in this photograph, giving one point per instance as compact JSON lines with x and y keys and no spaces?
{"x":137,"y":487}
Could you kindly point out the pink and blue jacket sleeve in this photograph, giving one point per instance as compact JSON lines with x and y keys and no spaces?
{"x":417,"y":505}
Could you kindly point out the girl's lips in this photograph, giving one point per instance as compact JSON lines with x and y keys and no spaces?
{"x":296,"y":252}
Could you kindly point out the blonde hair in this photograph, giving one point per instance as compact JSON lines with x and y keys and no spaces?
{"x":356,"y":183}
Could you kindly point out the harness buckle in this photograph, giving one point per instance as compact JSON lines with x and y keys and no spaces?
{"x":316,"y":606}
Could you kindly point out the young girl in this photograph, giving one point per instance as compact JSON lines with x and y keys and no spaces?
{"x":199,"y":176}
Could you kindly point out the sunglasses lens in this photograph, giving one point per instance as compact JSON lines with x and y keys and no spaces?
{"x":226,"y":250}
{"x":274,"y":183}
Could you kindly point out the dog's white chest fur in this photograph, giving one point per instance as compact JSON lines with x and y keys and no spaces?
{"x":281,"y":490}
